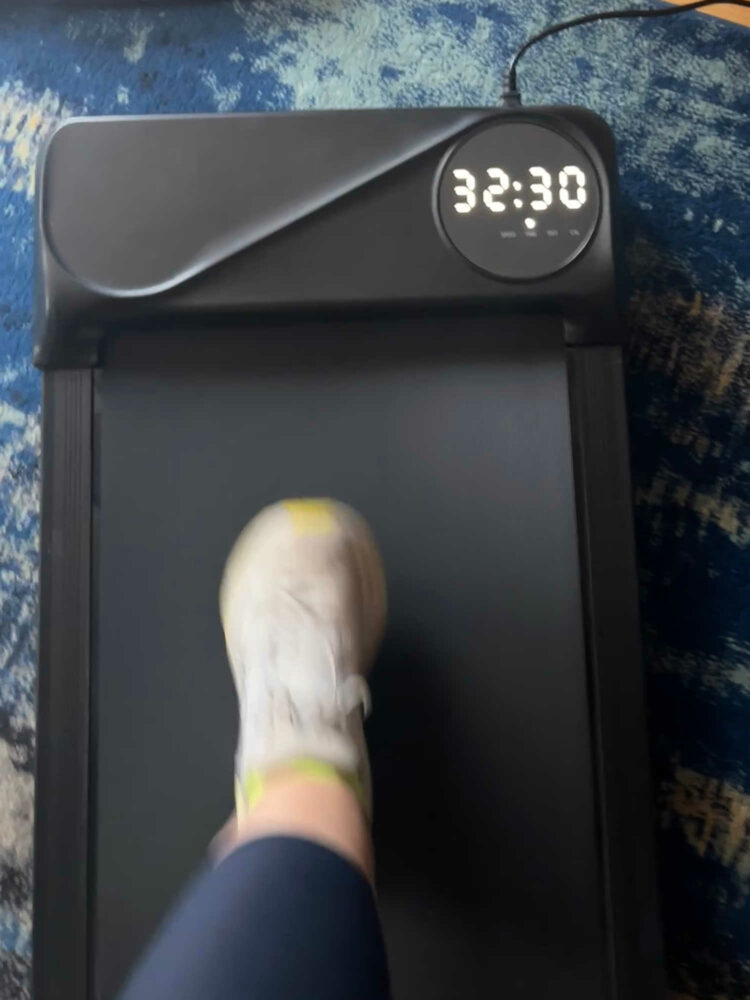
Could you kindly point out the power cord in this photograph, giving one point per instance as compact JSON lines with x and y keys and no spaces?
{"x":512,"y":98}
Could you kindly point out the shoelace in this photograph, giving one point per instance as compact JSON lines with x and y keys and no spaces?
{"x":350,"y":693}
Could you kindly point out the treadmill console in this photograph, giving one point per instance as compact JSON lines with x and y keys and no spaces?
{"x":323,"y":214}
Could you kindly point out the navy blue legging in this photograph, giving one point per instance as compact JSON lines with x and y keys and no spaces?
{"x":278,"y":919}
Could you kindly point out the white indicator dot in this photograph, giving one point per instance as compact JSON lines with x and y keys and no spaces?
{"x":517,"y":185}
{"x":530,"y":223}
{"x":518,"y":203}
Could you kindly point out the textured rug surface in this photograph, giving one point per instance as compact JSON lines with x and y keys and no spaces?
{"x":677,"y":93}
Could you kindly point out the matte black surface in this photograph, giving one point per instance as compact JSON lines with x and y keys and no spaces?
{"x":61,"y":834}
{"x":600,"y":440}
{"x":455,"y":442}
{"x":217,"y":218}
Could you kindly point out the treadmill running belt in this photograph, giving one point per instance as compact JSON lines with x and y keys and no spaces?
{"x":455,"y":444}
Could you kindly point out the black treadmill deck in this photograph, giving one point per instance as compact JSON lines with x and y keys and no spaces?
{"x":490,"y":456}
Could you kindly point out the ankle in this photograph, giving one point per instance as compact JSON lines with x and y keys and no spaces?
{"x":319,"y":809}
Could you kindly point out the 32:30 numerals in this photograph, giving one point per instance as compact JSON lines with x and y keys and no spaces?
{"x":571,"y":189}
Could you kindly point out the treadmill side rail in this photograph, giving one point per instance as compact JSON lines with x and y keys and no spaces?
{"x":610,"y":596}
{"x":61,"y":827}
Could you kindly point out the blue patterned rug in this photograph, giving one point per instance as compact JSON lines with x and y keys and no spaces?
{"x":677,"y":93}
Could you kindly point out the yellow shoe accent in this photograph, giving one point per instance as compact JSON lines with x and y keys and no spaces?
{"x":311,"y":517}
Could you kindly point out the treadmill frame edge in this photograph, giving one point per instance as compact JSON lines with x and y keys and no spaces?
{"x":606,"y":542}
{"x":63,"y":865}
{"x":62,"y":820}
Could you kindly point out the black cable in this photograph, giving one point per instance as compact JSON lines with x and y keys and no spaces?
{"x":511,"y":94}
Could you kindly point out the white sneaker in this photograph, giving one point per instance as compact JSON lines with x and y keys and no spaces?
{"x":303,"y":605}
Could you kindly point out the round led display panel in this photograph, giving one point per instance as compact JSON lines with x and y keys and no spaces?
{"x":518,"y":200}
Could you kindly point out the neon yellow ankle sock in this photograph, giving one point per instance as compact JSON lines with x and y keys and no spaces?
{"x":249,"y":789}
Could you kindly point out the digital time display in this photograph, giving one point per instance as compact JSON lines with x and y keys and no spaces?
{"x":518,"y":200}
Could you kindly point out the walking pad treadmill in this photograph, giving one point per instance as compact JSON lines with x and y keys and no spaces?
{"x":412,"y":311}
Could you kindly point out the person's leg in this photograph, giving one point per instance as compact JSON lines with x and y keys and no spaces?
{"x":288,"y":912}
{"x":326,"y":812}
{"x":278,"y":919}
